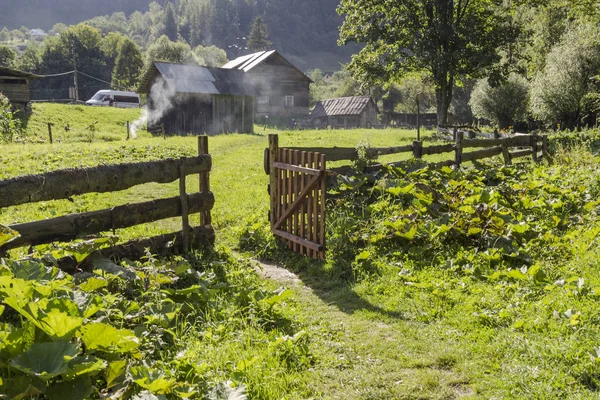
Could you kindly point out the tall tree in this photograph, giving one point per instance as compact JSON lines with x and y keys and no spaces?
{"x":8,"y":57}
{"x":258,"y":38}
{"x":165,"y":50}
{"x":171,"y":26}
{"x":447,"y":38}
{"x":128,"y":66}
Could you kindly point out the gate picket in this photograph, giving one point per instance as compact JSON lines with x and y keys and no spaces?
{"x":298,"y":198}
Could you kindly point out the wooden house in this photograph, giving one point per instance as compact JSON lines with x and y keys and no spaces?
{"x":280,"y":88}
{"x":191,"y":99}
{"x":15,"y":86}
{"x":345,"y":112}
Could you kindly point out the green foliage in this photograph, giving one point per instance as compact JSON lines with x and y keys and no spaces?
{"x":128,"y":66}
{"x":8,"y":57}
{"x":210,"y":56}
{"x":258,"y":38}
{"x":559,"y":92}
{"x":171,"y":28}
{"x":10,"y":125}
{"x":503,"y":105}
{"x":448,"y":40}
{"x":166,"y":50}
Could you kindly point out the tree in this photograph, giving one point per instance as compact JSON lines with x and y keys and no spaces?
{"x":446,"y":38}
{"x":504,"y":104}
{"x":128,"y":66}
{"x":8,"y":57}
{"x":4,"y":35}
{"x":210,"y":56}
{"x":560,"y":93}
{"x":258,"y":36}
{"x":165,"y":50}
{"x":171,"y":26}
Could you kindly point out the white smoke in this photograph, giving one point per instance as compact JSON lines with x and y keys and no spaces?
{"x":161,"y":99}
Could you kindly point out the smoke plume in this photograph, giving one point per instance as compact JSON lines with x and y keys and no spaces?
{"x":160,"y":101}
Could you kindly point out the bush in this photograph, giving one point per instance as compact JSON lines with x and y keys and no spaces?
{"x":503,"y":105}
{"x":10,"y":125}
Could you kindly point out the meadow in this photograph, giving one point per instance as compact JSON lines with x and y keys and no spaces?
{"x":479,"y":283}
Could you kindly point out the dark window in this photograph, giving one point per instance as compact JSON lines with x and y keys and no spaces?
{"x":14,"y":81}
{"x":127,"y":99}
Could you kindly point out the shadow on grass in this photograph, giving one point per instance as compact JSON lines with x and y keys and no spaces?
{"x":332,"y":282}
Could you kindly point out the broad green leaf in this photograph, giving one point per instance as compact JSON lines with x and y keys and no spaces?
{"x":78,"y":389}
{"x":396,"y":191}
{"x":103,"y":337}
{"x":154,"y":381}
{"x":93,"y":284}
{"x":407,"y":234}
{"x":22,"y":387}
{"x":520,"y":228}
{"x":7,"y":235}
{"x":147,"y":395}
{"x":364,"y":255}
{"x":516,"y":274}
{"x":46,"y":360}
{"x":115,"y":370}
{"x":104,"y":264}
{"x":58,"y":324}
{"x":281,"y":296}
{"x":31,"y":270}
{"x":84,"y":365}
{"x":1,"y":310}
{"x":474,"y":231}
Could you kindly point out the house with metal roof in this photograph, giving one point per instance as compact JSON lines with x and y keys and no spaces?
{"x":281,"y":89}
{"x":14,"y":85}
{"x":192,"y":99}
{"x":345,"y":112}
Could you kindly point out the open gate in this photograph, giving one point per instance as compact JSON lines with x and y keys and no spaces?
{"x":297,"y":191}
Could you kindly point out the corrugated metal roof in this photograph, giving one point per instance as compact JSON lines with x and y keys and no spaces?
{"x":196,"y":79}
{"x":340,"y":106}
{"x":17,"y":74}
{"x":248,"y":62}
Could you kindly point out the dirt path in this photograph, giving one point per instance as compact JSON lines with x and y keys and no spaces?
{"x":363,"y":353}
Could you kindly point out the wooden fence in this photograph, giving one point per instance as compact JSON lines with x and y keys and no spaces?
{"x":509,"y":147}
{"x":63,"y":184}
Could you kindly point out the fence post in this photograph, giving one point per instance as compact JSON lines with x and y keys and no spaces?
{"x":534,"y":146}
{"x":546,"y":148}
{"x":458,"y":149}
{"x":418,"y":149}
{"x":454,"y":132}
{"x":205,"y":217}
{"x":506,"y":155}
{"x":185,"y":222}
{"x":273,"y":157}
{"x":496,"y":134}
{"x":50,"y":131}
{"x":128,"y":130}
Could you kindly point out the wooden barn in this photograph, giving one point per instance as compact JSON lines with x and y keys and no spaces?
{"x":15,"y":86}
{"x":280,"y":88}
{"x":345,"y":112}
{"x":191,"y":99}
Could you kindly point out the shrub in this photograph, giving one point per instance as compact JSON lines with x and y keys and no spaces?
{"x":10,"y":125}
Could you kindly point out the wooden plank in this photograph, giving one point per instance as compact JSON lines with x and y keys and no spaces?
{"x":508,"y":142}
{"x":296,"y":168}
{"x":65,"y":183}
{"x":381,"y":151}
{"x":506,"y":155}
{"x":204,"y":177}
{"x":323,"y":192}
{"x":417,"y":148}
{"x":534,"y":146}
{"x":73,"y":226}
{"x":521,"y":153}
{"x":185,"y":222}
{"x":315,"y":206}
{"x":291,"y":238}
{"x":481,"y":154}
{"x":296,"y":188}
{"x":303,"y":206}
{"x":458,"y":149}
{"x":333,"y":153}
{"x":290,"y":199}
{"x":437,"y":149}
{"x":287,"y":214}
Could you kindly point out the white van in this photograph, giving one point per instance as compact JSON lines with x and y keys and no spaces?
{"x":114,"y":98}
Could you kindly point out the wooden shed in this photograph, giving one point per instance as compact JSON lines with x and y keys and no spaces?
{"x":14,"y":85}
{"x":192,"y":99}
{"x":281,"y":89}
{"x":345,"y":112}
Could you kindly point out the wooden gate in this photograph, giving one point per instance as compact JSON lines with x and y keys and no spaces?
{"x":297,"y":191}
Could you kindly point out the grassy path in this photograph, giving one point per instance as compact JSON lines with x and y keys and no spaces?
{"x":365,"y":352}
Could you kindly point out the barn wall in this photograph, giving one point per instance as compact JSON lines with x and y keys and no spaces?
{"x":277,"y":82}
{"x":15,"y":89}
{"x":232,"y":114}
{"x":190,"y":115}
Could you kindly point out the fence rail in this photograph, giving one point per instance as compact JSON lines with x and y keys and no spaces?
{"x":62,"y":184}
{"x":490,"y":148}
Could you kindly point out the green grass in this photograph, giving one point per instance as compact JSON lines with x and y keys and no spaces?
{"x":397,"y":323}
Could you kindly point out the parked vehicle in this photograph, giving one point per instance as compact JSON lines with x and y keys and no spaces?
{"x":114,"y":98}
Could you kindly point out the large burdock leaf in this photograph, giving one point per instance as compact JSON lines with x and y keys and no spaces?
{"x":154,"y":381}
{"x":7,"y":235}
{"x":103,"y":337}
{"x":84,"y":365}
{"x":78,"y":389}
{"x":58,"y":324}
{"x":46,"y":360}
{"x":22,"y":387}
{"x":32,"y":270}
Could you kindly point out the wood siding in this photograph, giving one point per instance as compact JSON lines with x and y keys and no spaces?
{"x":366,"y":119}
{"x":15,"y":89}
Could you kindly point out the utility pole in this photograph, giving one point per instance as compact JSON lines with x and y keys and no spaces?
{"x":75,"y":82}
